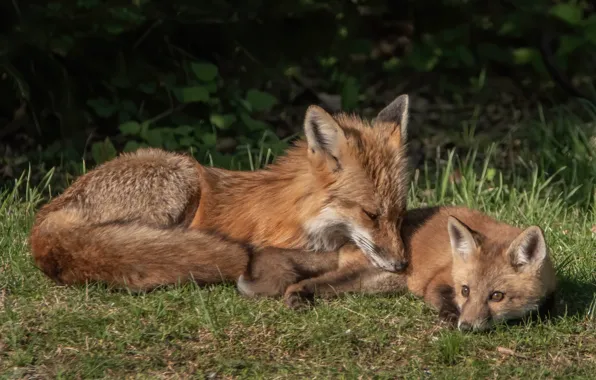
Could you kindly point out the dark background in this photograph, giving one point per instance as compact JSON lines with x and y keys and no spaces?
{"x":81,"y":80}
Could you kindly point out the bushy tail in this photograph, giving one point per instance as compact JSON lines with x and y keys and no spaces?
{"x":71,"y":251}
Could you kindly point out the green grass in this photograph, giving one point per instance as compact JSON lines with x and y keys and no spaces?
{"x":48,"y":331}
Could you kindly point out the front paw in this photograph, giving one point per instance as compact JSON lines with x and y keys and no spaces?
{"x":296,"y":297}
{"x":449,"y":315}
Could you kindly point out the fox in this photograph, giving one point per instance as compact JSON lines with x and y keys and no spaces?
{"x":153,"y":217}
{"x":475,"y":270}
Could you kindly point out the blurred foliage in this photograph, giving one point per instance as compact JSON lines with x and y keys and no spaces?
{"x":89,"y":78}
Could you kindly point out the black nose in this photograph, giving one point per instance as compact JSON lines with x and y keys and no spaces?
{"x":399,"y":266}
{"x":464,"y":326}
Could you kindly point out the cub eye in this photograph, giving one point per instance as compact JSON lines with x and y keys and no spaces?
{"x":496,"y":296}
{"x":465,"y":291}
{"x":373,"y":216}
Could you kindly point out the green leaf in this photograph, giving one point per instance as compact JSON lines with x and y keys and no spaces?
{"x":130,"y":128}
{"x":209,"y":139}
{"x":184,"y":130}
{"x":490,"y":174}
{"x":102,"y":107}
{"x":222,"y":121}
{"x":260,"y":101}
{"x":211,"y":87}
{"x":169,"y":140}
{"x":103,"y":151}
{"x":131,"y":146}
{"x":523,"y":55}
{"x":569,"y":44}
{"x":154,"y":138}
{"x":349,"y":94}
{"x":144,"y":129}
{"x":205,"y":72}
{"x":192,"y":94}
{"x":590,"y":28}
{"x":187,"y":141}
{"x":570,"y":13}
{"x":252,"y":124}
{"x":465,"y":55}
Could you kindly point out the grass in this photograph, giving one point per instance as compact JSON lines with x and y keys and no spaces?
{"x":48,"y":331}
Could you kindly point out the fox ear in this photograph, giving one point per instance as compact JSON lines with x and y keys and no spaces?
{"x":396,"y":113}
{"x":463,"y":243}
{"x":323,"y":135}
{"x":529,"y":248}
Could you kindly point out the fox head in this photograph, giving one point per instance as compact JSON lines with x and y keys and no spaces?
{"x":363,"y":168}
{"x":496,"y":278}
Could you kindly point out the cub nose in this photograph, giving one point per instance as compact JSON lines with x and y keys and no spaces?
{"x":464,"y":326}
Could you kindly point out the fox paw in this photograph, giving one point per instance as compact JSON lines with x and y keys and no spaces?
{"x":297,"y":298}
{"x":449,"y":316}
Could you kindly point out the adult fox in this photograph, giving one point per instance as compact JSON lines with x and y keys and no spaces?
{"x":472,"y":268}
{"x":153,"y":217}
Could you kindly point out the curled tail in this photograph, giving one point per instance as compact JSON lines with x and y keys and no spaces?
{"x":70,"y":250}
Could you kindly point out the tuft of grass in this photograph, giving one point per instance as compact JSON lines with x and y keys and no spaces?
{"x":49,"y":331}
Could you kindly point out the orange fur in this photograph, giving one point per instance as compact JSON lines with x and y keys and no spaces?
{"x":154,"y":217}
{"x":501,"y":258}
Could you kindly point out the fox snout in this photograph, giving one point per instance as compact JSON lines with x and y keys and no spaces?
{"x":382,"y":259}
{"x":392,"y":264}
{"x":478,"y":321}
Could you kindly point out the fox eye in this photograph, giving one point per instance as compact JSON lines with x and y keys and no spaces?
{"x":372,"y":215}
{"x":465,"y":291}
{"x":496,"y":296}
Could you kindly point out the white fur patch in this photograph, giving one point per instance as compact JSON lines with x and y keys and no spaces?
{"x":244,"y":287}
{"x":327,"y":231}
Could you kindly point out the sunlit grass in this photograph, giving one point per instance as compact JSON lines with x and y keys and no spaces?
{"x":90,"y":332}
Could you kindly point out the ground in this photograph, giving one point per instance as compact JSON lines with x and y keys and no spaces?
{"x":48,"y":331}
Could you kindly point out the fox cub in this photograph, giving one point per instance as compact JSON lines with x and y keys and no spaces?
{"x":470,"y":267}
{"x":153,"y":217}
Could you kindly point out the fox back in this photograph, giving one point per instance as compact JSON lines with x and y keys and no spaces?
{"x":141,"y":218}
{"x":347,"y":180}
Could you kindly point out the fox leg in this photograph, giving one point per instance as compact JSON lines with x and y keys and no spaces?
{"x":345,"y":280}
{"x":440,"y":294}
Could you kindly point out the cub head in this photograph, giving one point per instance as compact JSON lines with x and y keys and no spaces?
{"x":496,"y":279}
{"x":362,"y":167}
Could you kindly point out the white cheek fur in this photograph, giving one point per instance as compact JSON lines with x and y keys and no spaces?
{"x":327,"y":231}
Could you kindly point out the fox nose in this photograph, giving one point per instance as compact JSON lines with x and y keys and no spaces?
{"x":464,"y":326}
{"x":394,"y":266}
{"x":400,"y":265}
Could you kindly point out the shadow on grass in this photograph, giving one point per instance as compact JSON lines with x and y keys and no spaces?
{"x":575,"y":297}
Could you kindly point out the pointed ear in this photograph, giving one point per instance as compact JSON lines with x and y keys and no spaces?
{"x":323,"y":134}
{"x":463,"y":243}
{"x":396,"y":113}
{"x":528,"y":249}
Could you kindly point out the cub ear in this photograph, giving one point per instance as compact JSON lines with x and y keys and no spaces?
{"x":323,"y":135}
{"x":463,"y":243}
{"x":528,"y":249}
{"x":396,"y":113}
